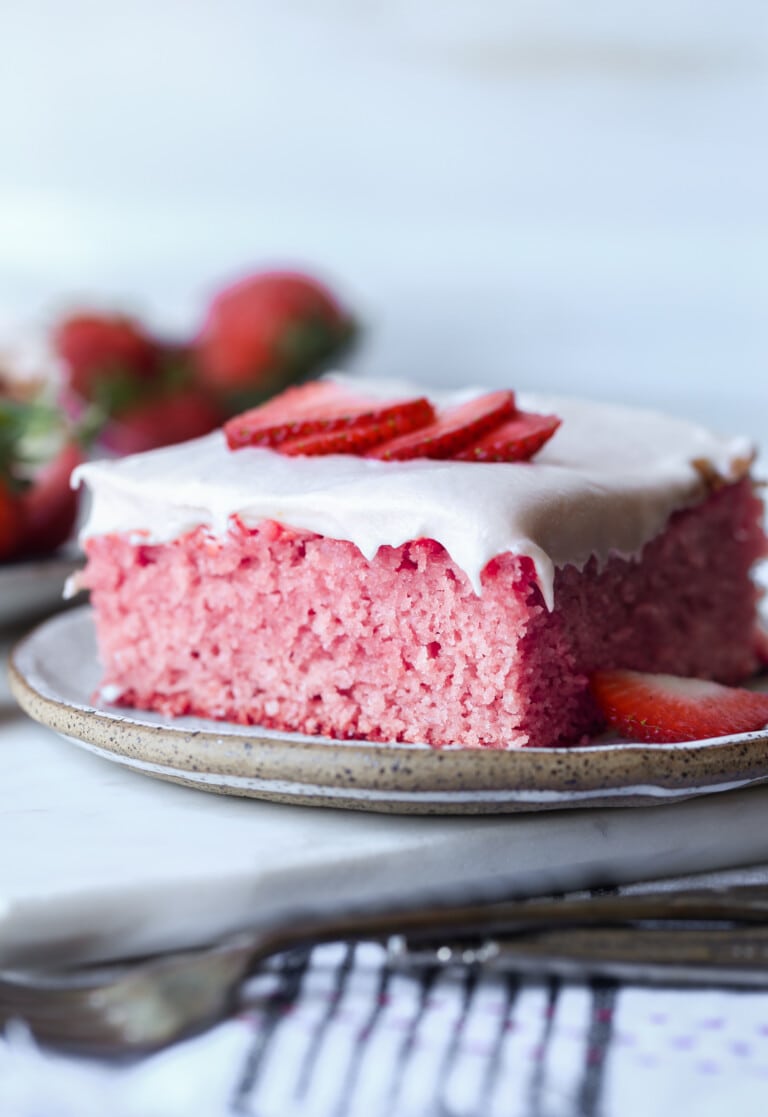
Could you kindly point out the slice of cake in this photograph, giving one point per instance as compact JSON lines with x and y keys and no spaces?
{"x":451,"y":602}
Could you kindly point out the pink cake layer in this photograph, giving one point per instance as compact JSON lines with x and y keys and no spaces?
{"x":296,"y":631}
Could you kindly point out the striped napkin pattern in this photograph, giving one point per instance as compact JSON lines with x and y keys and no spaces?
{"x":336,"y":1032}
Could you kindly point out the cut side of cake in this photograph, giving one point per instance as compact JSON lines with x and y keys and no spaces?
{"x":443,"y":602}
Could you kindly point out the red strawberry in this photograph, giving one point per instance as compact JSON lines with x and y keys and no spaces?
{"x":11,"y":522}
{"x":49,"y":505}
{"x":104,"y":354}
{"x":162,"y":421}
{"x":349,"y":440}
{"x":452,"y":431}
{"x":663,"y":708}
{"x":268,"y":329}
{"x":517,"y":439}
{"x":323,"y":408}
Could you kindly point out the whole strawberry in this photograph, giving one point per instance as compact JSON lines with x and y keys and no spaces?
{"x":106,"y":357}
{"x":267,"y":331}
{"x":38,"y":451}
{"x":49,"y":503}
{"x":130,"y":391}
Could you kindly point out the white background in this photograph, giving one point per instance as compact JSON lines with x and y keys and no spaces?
{"x":554,"y":195}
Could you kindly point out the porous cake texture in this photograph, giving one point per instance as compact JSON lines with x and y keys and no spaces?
{"x":297,"y":631}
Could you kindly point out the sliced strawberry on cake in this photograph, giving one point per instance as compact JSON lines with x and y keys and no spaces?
{"x":324,"y":408}
{"x":667,"y":708}
{"x":454,"y":428}
{"x":330,"y":418}
{"x":355,"y":439}
{"x":516,"y":440}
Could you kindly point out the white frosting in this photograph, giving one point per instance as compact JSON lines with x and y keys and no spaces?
{"x":605,"y":484}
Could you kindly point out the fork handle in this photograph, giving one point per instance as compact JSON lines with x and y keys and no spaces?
{"x":658,"y":954}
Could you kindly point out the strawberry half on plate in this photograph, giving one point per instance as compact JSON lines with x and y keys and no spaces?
{"x":668,"y":708}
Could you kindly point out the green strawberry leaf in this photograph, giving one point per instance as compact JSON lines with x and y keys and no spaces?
{"x":30,"y":434}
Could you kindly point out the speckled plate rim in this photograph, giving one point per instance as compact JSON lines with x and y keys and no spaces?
{"x":260,"y":763}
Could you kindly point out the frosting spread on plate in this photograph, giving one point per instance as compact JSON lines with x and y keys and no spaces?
{"x":605,"y":484}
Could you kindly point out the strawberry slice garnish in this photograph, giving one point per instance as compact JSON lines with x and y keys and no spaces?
{"x":348,"y":440}
{"x":325,"y":418}
{"x":453,"y":429}
{"x":516,"y":440}
{"x":324,"y":408}
{"x":666,"y":708}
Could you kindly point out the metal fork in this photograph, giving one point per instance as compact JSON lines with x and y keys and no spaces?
{"x":694,"y":936}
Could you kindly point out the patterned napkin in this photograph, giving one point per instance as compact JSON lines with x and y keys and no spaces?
{"x":336,"y":1033}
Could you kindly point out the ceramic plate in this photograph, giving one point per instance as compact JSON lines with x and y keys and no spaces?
{"x":29,"y":589}
{"x":55,"y":672}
